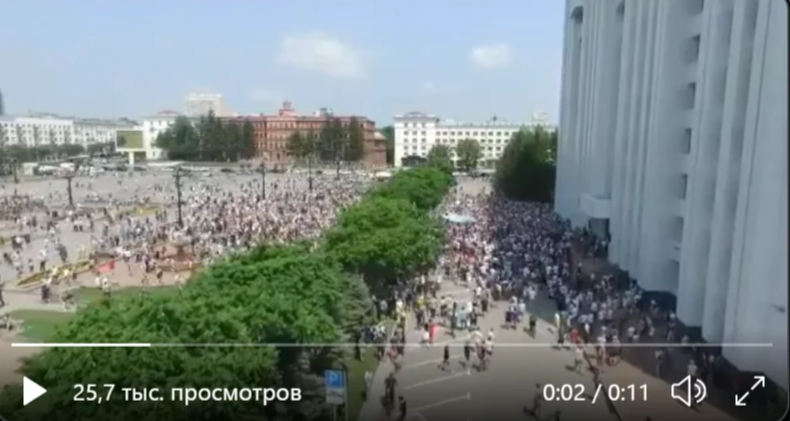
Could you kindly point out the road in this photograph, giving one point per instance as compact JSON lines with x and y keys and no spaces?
{"x":519,"y":363}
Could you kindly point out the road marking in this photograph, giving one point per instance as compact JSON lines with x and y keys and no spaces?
{"x":438,"y":380}
{"x":466,"y":397}
{"x":422,"y":363}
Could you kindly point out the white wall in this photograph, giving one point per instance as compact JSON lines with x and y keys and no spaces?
{"x":674,"y":122}
{"x":152,"y":127}
{"x":416,"y":135}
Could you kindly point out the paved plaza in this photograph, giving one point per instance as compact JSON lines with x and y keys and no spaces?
{"x":503,"y":390}
{"x":139,"y":185}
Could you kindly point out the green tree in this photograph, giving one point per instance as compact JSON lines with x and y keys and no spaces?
{"x":424,"y":187}
{"x":386,"y":241}
{"x":53,"y":140}
{"x":247,"y":146}
{"x":298,"y":147}
{"x":389,"y":133}
{"x":181,"y":141}
{"x":469,"y":154}
{"x":355,"y":143}
{"x":271,"y":295}
{"x":527,"y":169}
{"x":71,"y":149}
{"x":440,"y":157}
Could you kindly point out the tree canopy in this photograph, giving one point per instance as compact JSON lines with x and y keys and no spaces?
{"x":297,"y":294}
{"x":440,"y":156}
{"x":424,"y":186}
{"x":389,"y":133}
{"x":469,"y":154}
{"x":385,"y":240}
{"x":208,"y":139}
{"x":527,"y":168}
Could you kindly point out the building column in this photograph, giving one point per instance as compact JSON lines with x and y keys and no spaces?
{"x":711,"y":81}
{"x":756,"y":299}
{"x":728,"y":171}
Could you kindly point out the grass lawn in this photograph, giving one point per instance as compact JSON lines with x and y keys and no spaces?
{"x":89,"y":295}
{"x":356,"y":381}
{"x":40,"y":325}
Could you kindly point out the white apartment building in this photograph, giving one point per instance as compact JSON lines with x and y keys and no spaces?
{"x":36,"y":131}
{"x":92,"y":131}
{"x":196,"y":105}
{"x":152,"y":127}
{"x":416,"y":133}
{"x":673,"y":138}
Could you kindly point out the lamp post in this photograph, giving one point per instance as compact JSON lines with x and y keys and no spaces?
{"x":69,"y":177}
{"x":310,"y":172}
{"x":13,"y":169}
{"x":263,"y":180}
{"x":177,"y":175}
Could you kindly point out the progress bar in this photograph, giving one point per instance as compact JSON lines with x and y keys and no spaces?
{"x":453,"y":343}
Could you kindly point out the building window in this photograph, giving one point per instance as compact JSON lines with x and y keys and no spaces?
{"x":685,"y":142}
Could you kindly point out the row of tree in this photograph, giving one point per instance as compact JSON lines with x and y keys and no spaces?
{"x":208,"y":139}
{"x":527,"y":169}
{"x":468,"y":153}
{"x":335,"y":142}
{"x":299,"y":294}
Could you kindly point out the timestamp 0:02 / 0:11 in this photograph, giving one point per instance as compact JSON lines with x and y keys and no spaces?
{"x":579,"y":393}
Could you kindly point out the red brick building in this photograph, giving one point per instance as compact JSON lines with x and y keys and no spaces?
{"x":272,"y":133}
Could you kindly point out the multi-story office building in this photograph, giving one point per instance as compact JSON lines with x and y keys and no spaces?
{"x":673,"y":142}
{"x":50,"y":129}
{"x":196,"y":105}
{"x":36,"y":131}
{"x":416,"y":133}
{"x":89,"y":131}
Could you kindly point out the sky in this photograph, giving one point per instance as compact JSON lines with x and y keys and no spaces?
{"x":463,"y":59}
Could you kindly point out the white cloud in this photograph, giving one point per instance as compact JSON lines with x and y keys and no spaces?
{"x":491,"y":56}
{"x":320,"y":52}
{"x":429,"y":87}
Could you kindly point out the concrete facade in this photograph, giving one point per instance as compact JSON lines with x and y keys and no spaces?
{"x":416,"y":133}
{"x":673,"y":142}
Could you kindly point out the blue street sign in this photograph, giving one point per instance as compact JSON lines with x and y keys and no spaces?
{"x":334,"y":379}
{"x":335,"y":387}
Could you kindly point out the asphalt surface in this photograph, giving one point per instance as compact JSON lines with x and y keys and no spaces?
{"x":505,"y":389}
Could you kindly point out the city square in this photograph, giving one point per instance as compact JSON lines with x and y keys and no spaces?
{"x":566,"y":211}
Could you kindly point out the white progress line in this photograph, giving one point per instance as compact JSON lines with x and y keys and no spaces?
{"x":68,"y":345}
{"x":351,"y":345}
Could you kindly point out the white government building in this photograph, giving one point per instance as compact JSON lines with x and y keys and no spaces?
{"x":196,"y":105}
{"x":38,"y":130}
{"x":673,"y":138}
{"x":416,"y":133}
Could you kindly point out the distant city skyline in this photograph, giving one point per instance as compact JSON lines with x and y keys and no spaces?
{"x":507,"y":60}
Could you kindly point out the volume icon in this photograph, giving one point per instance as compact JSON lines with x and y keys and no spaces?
{"x":689,"y":391}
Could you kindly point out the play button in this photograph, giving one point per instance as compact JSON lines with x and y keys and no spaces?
{"x":31,"y":391}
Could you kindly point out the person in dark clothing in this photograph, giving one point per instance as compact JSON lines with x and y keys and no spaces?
{"x":446,"y":359}
{"x":402,"y":409}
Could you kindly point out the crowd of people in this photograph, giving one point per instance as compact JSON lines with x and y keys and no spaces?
{"x":508,"y":254}
{"x":217,"y":216}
